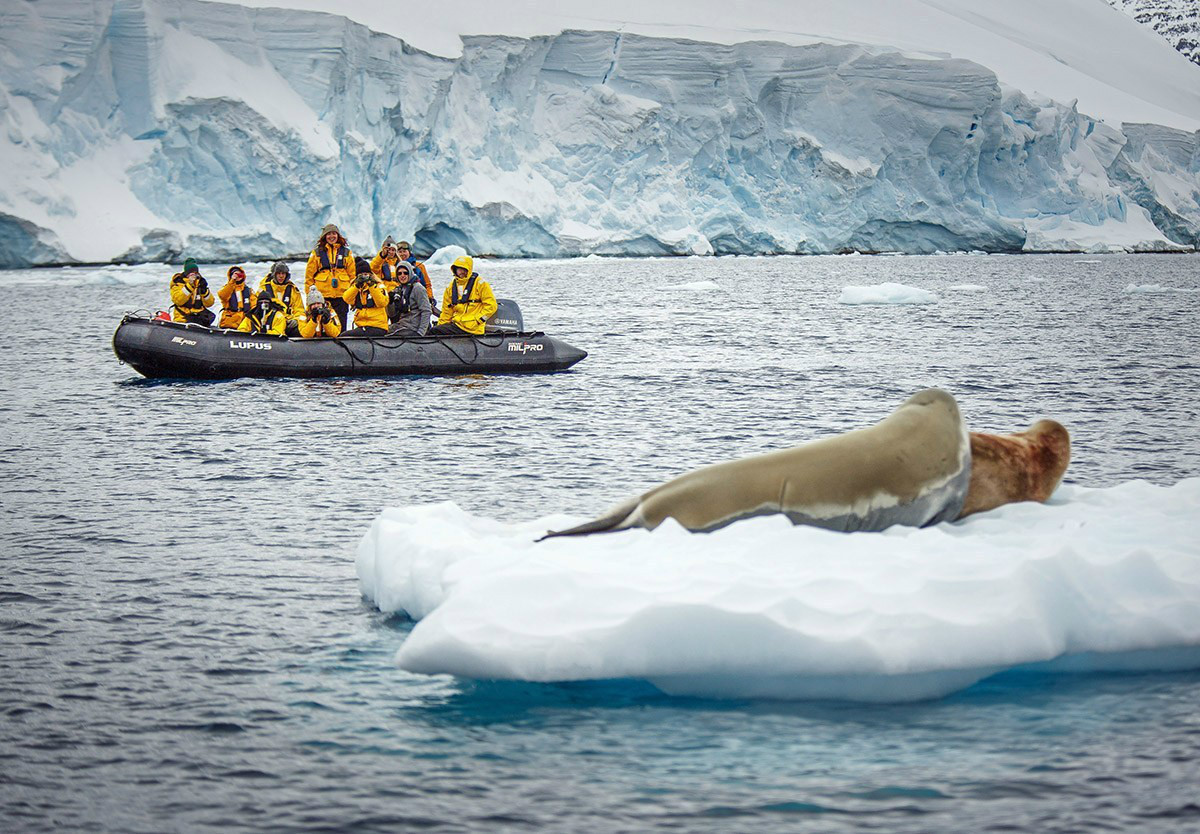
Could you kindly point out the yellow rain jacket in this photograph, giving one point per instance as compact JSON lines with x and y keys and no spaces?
{"x":308,"y":329}
{"x":330,"y":269}
{"x":369,"y":305}
{"x":467,"y":302}
{"x":187,"y":298}
{"x":274,"y":323}
{"x":286,"y":294}
{"x":235,"y":301}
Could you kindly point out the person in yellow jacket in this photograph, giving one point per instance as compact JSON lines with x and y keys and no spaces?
{"x":190,"y":296}
{"x":369,"y":302}
{"x":236,"y":298}
{"x":331,"y":270}
{"x":279,"y":282}
{"x":467,"y":303}
{"x":265,"y":318}
{"x":319,"y":320}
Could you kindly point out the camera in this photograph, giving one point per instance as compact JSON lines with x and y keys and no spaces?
{"x":364,"y":280}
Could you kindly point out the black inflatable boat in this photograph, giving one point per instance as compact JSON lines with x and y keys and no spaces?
{"x":171,"y":350}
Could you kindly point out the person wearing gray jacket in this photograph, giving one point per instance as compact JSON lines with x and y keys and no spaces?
{"x":408,"y":305}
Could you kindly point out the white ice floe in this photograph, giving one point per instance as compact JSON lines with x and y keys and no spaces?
{"x":887,"y":293}
{"x":1095,"y":579}
{"x":969,"y":288}
{"x":1157,"y":288}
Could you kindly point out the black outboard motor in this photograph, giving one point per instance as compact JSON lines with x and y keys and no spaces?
{"x":507,"y":318}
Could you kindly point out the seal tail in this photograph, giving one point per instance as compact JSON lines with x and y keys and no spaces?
{"x":612,"y":520}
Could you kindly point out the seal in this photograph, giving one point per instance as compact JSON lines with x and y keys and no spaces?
{"x":918,"y":466}
{"x":911,"y":468}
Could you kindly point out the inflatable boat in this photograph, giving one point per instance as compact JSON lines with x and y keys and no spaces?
{"x":161,"y":349}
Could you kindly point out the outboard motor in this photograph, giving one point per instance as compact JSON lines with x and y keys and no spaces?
{"x":507,"y":318}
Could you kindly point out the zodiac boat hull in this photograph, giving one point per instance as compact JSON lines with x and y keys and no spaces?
{"x":172,"y":350}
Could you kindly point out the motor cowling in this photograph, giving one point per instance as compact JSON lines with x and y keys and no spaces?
{"x":506,"y":319}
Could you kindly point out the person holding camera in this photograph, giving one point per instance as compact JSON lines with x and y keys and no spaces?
{"x":236,"y":298}
{"x":190,"y":296}
{"x":408,"y":305}
{"x":368,"y":300}
{"x":265,"y":318}
{"x":467,"y":303}
{"x":279,"y":283}
{"x":319,"y":319}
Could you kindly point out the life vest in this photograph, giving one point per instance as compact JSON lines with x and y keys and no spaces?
{"x":358,"y":299}
{"x":262,"y":326}
{"x":467,"y":290}
{"x":239,"y":300}
{"x":288,"y":289}
{"x":339,"y":262}
{"x":196,"y":302}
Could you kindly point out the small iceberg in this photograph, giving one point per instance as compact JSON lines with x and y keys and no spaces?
{"x":887,"y":293}
{"x":1093,"y":580}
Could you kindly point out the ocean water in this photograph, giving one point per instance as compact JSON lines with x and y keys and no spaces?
{"x":185,"y":647}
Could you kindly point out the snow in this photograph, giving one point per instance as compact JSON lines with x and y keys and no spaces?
{"x":1095,"y":579}
{"x":150,"y":131}
{"x":887,"y":293}
{"x":1067,"y":50}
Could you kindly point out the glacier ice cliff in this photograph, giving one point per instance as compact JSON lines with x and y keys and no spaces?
{"x":133,"y":130}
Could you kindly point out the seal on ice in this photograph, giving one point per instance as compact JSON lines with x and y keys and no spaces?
{"x":918,"y":466}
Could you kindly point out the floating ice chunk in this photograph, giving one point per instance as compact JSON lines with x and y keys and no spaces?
{"x":1095,"y":579}
{"x":969,"y":288}
{"x":887,"y":293}
{"x":692,"y":286}
{"x":1156,"y":288}
{"x":445,"y":256}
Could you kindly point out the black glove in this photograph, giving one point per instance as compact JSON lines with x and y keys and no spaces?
{"x":201,"y":286}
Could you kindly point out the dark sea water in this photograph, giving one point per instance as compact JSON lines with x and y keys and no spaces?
{"x":185,"y":647}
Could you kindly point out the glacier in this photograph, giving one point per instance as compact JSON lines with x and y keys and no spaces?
{"x":1093,"y":580}
{"x":140,"y":131}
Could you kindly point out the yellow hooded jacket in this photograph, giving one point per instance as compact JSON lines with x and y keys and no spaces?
{"x":288,"y":295}
{"x":308,"y":328}
{"x":236,"y":300}
{"x":186,"y":297}
{"x":369,"y":305}
{"x":330,"y":268}
{"x":473,"y":307}
{"x":388,"y":276}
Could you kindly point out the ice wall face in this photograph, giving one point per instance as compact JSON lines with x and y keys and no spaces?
{"x":141,"y":130}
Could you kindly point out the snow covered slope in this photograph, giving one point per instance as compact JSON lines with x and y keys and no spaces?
{"x":1178,"y":21}
{"x":138,"y":130}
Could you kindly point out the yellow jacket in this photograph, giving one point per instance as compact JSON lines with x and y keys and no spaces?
{"x":308,"y":329}
{"x":369,"y":305}
{"x":417,"y":268}
{"x":330,"y":269}
{"x":276,"y":322}
{"x":235,"y":301}
{"x":187,"y":298}
{"x":473,"y":308}
{"x":293,"y":302}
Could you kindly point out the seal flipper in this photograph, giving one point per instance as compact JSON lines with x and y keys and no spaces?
{"x":609,"y":522}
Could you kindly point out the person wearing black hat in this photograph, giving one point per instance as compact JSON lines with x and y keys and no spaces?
{"x":190,"y":296}
{"x":369,"y":302}
{"x":266,"y":317}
